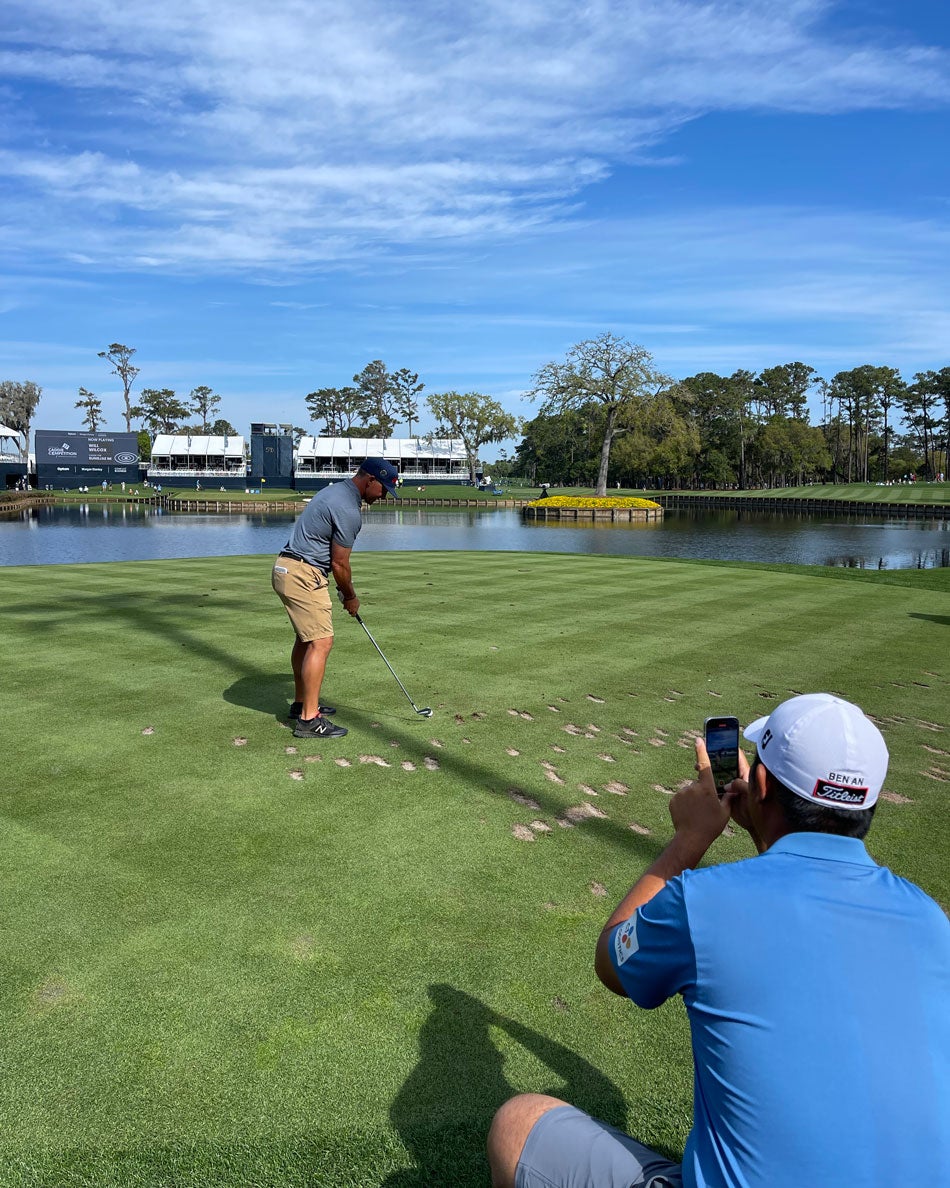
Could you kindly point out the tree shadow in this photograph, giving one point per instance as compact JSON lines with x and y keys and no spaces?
{"x":942,"y":619}
{"x":444,"y":1108}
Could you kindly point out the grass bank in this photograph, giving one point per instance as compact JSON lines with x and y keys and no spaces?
{"x":235,"y":959}
{"x":919,"y":492}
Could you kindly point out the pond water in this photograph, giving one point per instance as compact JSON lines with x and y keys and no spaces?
{"x":138,"y":532}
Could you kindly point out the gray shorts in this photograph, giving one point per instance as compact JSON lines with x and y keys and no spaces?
{"x":567,"y":1148}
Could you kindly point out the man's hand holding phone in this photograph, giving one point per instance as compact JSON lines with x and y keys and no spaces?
{"x":697,"y":810}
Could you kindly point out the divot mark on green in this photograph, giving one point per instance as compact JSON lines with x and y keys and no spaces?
{"x":581,"y":812}
{"x":312,"y":758}
{"x":558,"y":750}
{"x":607,"y":758}
{"x":406,"y":765}
{"x":478,"y":715}
{"x":435,"y":742}
{"x":628,"y":730}
{"x":296,"y":774}
{"x":657,"y":742}
{"x":519,"y":798}
{"x":896,"y":798}
{"x":935,"y":726}
{"x":527,"y":717}
{"x":522,"y":833}
{"x":51,"y":993}
{"x":598,"y":889}
{"x":587,"y":790}
{"x":554,"y":709}
{"x":342,"y":762}
{"x":512,"y":752}
{"x":713,"y":693}
{"x":570,"y":728}
{"x":937,"y":773}
{"x":290,"y":750}
{"x":597,"y":700}
{"x":149,"y":730}
{"x":934,"y":750}
{"x":378,"y":760}
{"x":540,"y":827}
{"x":592,"y":727}
{"x":240,"y":742}
{"x":617,"y":788}
{"x":430,"y":763}
{"x":638,"y":828}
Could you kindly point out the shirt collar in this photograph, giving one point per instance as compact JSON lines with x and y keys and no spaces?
{"x":827,"y":846}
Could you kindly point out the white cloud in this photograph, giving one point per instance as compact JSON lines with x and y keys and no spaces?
{"x":205,"y":134}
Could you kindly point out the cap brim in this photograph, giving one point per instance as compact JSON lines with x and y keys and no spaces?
{"x":394,"y":491}
{"x":753,"y":732}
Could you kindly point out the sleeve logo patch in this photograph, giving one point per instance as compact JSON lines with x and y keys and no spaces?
{"x":834,"y":793}
{"x":625,"y":941}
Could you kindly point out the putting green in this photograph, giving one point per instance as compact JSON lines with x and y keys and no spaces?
{"x":232,"y":958}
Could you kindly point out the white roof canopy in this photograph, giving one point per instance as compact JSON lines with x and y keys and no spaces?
{"x":198,"y":446}
{"x":5,"y":432}
{"x":393,"y":449}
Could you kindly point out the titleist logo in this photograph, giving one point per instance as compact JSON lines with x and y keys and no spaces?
{"x":839,"y":793}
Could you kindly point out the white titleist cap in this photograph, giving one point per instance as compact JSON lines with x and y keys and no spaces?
{"x":823,"y":749}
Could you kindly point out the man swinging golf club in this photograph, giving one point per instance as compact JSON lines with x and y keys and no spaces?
{"x":319,"y":545}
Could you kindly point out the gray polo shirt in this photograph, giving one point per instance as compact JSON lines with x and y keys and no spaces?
{"x":332,"y":514}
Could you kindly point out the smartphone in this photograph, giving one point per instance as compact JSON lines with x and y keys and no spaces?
{"x":722,"y":747}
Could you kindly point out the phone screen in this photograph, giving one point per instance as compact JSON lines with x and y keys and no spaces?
{"x":722,"y":747}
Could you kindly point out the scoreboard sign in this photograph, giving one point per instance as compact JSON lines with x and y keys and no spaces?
{"x":70,"y":448}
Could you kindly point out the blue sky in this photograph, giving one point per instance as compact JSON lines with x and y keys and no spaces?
{"x":264,"y":197}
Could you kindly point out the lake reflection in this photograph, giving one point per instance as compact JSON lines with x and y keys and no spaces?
{"x":137,"y":532}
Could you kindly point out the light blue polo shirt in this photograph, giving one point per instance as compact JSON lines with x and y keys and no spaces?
{"x":333,"y":514}
{"x":817,"y":986}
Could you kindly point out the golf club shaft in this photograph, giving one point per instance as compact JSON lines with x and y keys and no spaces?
{"x":386,"y":662}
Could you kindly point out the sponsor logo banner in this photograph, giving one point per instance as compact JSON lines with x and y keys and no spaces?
{"x":83,"y":449}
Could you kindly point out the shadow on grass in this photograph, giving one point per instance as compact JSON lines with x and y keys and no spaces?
{"x":944,"y":620}
{"x":188,"y":620}
{"x":444,"y":1109}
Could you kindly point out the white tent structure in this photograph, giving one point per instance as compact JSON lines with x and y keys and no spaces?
{"x":186,"y":458}
{"x":14,"y":459}
{"x":12,"y":448}
{"x":322,"y":460}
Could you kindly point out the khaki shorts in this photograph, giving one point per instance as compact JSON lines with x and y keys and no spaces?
{"x":306,"y":597}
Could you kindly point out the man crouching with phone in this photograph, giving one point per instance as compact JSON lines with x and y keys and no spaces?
{"x":816,"y":982}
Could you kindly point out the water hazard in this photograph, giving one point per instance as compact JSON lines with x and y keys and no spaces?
{"x":138,"y":532}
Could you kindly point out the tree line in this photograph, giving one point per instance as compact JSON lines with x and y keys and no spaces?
{"x":608,"y":414}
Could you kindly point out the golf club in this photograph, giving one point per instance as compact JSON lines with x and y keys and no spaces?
{"x":425,"y":713}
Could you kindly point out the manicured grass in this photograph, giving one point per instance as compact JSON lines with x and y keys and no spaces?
{"x":215,"y":973}
{"x":857,"y":492}
{"x":920,"y":492}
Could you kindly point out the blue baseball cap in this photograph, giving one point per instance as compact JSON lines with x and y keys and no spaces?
{"x":380,"y":469}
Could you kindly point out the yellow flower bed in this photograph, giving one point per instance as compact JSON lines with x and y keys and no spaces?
{"x":624,"y":501}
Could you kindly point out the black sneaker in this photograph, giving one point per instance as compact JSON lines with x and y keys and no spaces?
{"x":318,"y":728}
{"x":297,"y":706}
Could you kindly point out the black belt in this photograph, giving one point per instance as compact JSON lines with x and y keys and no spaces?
{"x":303,"y":560}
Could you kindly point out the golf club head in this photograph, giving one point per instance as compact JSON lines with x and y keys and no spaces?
{"x":426,"y":713}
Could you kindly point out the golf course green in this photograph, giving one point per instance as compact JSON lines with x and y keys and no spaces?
{"x":234,"y":958}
